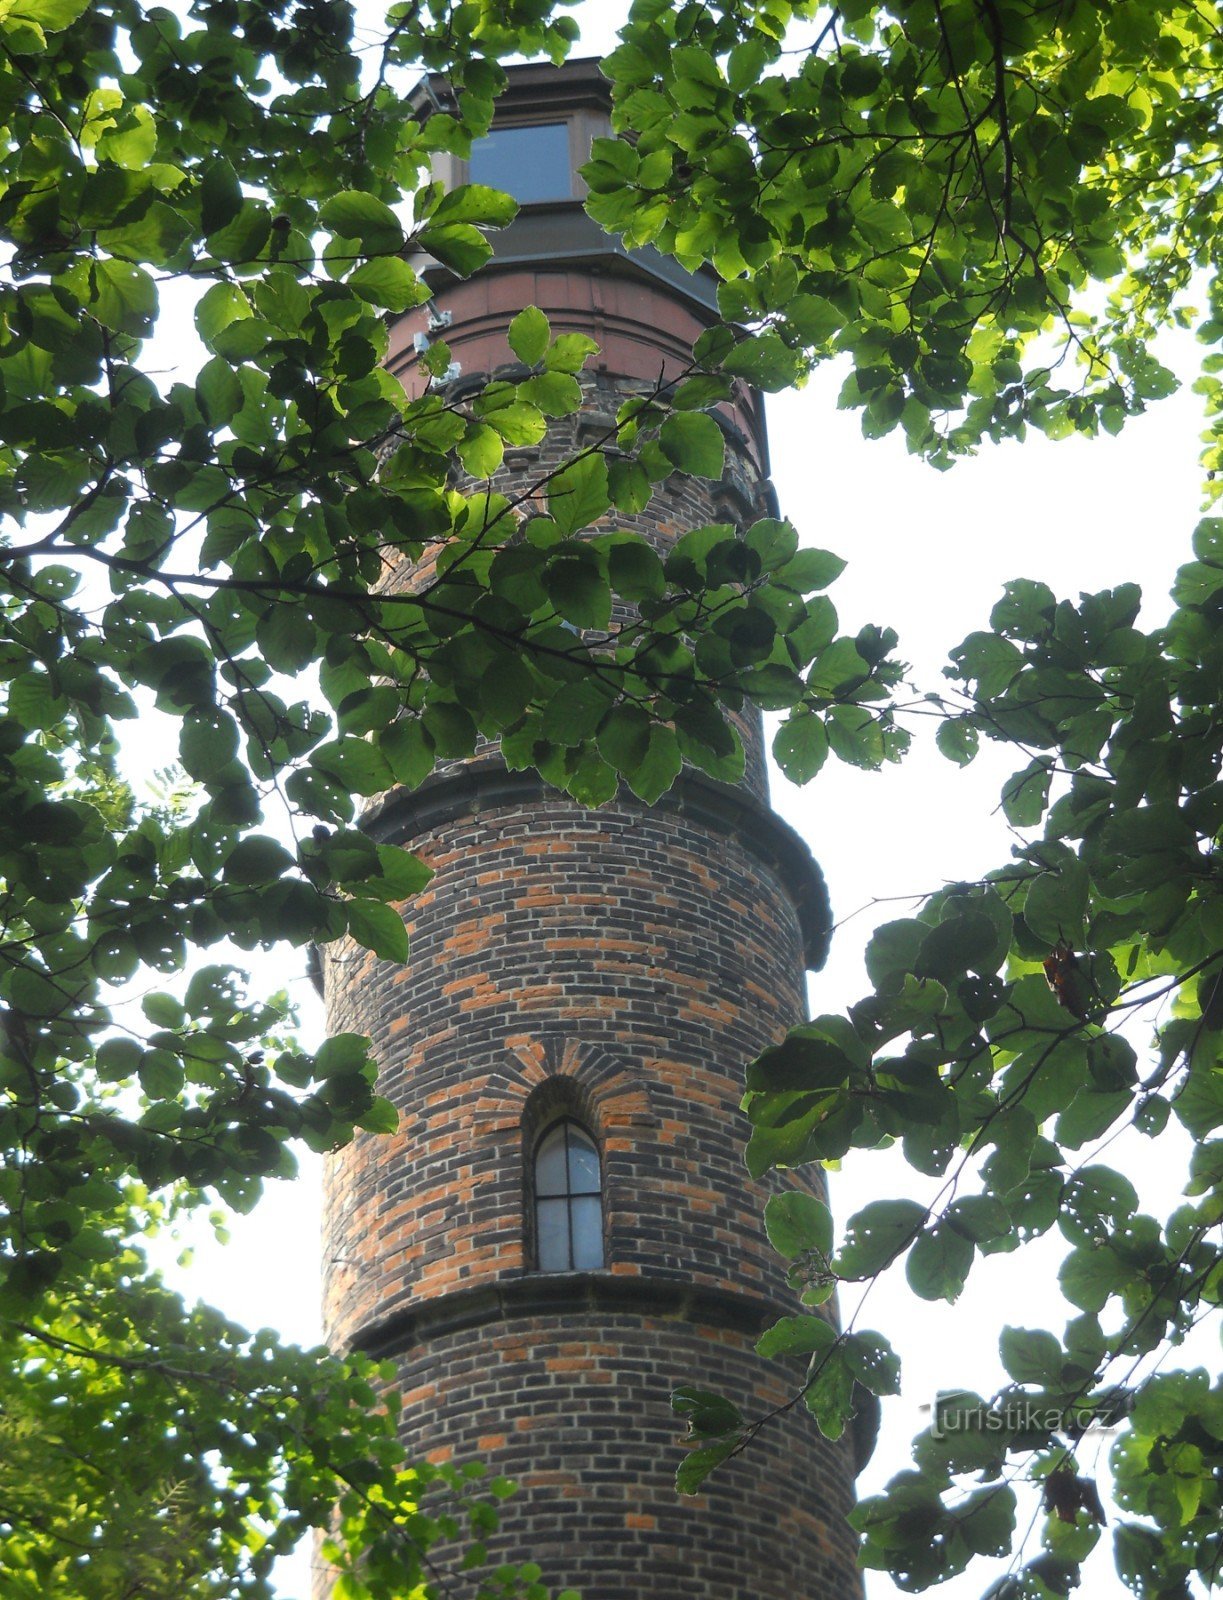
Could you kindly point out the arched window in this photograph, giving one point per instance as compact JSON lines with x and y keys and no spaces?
{"x":568,"y":1200}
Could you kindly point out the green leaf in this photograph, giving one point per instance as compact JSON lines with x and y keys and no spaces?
{"x":707,"y":1415}
{"x":965,"y":942}
{"x":220,"y":195}
{"x":208,"y":742}
{"x":528,"y":335}
{"x":388,"y":282}
{"x":481,"y":450}
{"x":408,"y":751}
{"x":52,"y":16}
{"x":118,"y":1059}
{"x":1090,"y":1114}
{"x":1199,"y":1103}
{"x":354,"y":214}
{"x":796,"y":1222}
{"x":243,"y":238}
{"x":958,"y":740}
{"x":1031,"y":1356}
{"x":163,"y":1010}
{"x":219,"y":392}
{"x":893,"y":952}
{"x":699,"y":1463}
{"x":693,"y":442}
{"x":403,"y":873}
{"x":218,"y":307}
{"x":556,"y":394}
{"x":939,"y":1264}
{"x":873,"y":1362}
{"x":624,"y":737}
{"x":985,"y":1520}
{"x":658,"y":767}
{"x":578,"y":495}
{"x":355,"y":764}
{"x":577,"y":586}
{"x":451,"y":729}
{"x":462,"y":248}
{"x":989,"y":661}
{"x":517,"y":422}
{"x":379,"y":928}
{"x":1056,"y":904}
{"x":830,"y":1394}
{"x":152,"y":238}
{"x":574,"y":713}
{"x":877,"y":1235}
{"x":1089,"y":1276}
{"x":765,"y":361}
{"x":161,"y":1075}
{"x":800,"y":746}
{"x":475,"y":202}
{"x":796,"y":1336}
{"x":286,"y":637}
{"x":123,"y":297}
{"x":257,"y":860}
{"x":809,"y":570}
{"x":569,"y":352}
{"x":382,"y":1117}
{"x":824,"y":1054}
{"x":635,"y":570}
{"x":855,"y":736}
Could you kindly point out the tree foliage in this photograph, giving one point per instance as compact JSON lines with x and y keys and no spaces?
{"x":194,"y":528}
{"x":988,"y":208}
{"x":934,"y":190}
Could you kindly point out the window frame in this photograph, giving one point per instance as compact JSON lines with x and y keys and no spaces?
{"x":564,"y":1121}
{"x":584,"y":124}
{"x":571,"y":162}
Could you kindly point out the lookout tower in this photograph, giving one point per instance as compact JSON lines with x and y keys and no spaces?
{"x":562,"y":1230}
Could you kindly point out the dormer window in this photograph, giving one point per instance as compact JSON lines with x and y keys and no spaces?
{"x":531,"y":163}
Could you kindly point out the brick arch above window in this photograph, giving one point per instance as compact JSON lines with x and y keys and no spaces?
{"x":607,"y":1091}
{"x":559,"y":1098}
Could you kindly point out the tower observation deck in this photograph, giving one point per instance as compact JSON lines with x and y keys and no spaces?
{"x":563,"y":1230}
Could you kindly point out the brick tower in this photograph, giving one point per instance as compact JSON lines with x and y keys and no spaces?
{"x":562,"y":1230}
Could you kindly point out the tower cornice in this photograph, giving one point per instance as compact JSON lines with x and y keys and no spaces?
{"x":489,"y":785}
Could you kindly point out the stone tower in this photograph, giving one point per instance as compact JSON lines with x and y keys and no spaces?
{"x":563,"y":1230}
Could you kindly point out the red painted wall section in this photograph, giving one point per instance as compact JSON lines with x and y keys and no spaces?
{"x":645,"y":334}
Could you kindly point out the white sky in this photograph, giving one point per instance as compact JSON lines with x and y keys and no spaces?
{"x":927,"y":555}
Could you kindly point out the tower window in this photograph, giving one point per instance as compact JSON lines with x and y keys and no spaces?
{"x":528,"y":163}
{"x":568,"y":1200}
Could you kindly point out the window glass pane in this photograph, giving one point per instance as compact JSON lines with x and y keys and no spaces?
{"x":587,"y":1232}
{"x":553,"y":1235}
{"x":550,"y":1163}
{"x":583,"y":1163}
{"x":529,"y":163}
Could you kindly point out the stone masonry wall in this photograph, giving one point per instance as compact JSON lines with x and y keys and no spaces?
{"x":574,"y":1407}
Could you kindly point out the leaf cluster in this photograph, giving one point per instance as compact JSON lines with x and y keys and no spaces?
{"x":985,"y":208}
{"x":1005,"y":1086}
